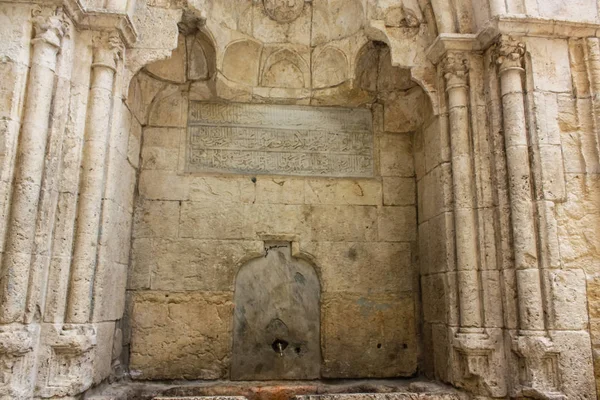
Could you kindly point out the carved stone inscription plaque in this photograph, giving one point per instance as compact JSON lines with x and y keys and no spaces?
{"x":281,"y":140}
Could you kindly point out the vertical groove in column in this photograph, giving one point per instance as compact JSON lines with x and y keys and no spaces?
{"x":95,"y":148}
{"x":30,"y":166}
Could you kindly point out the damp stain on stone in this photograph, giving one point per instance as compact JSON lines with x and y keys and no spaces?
{"x":368,"y":307}
{"x":352,"y":253}
{"x":300,"y":278}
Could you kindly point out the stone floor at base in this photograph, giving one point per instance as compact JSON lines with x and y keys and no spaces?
{"x":278,"y":390}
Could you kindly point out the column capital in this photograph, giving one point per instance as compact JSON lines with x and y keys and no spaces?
{"x":455,"y":67}
{"x":49,"y":28}
{"x":509,"y":54}
{"x":108,"y":50}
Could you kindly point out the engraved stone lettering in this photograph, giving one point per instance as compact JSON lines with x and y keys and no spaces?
{"x":282,"y":140}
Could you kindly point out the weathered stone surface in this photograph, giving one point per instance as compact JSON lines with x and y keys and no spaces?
{"x":336,"y":191}
{"x":397,"y":224}
{"x":185,"y":335}
{"x":399,"y":191}
{"x":276,"y":329}
{"x":387,"y":396}
{"x":241,"y":62}
{"x":189,"y":264}
{"x":200,"y":398}
{"x":287,"y":141}
{"x":395,"y":159}
{"x":348,"y":266}
{"x":351,"y":348}
{"x":343,"y":223}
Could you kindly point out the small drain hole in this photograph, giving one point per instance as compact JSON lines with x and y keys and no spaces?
{"x":279,"y":346}
{"x":378,"y":345}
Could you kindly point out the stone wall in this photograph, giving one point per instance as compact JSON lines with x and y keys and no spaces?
{"x":193,"y":231}
{"x":499,"y":141}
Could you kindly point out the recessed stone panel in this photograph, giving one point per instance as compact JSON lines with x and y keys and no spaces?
{"x":276,"y":321}
{"x":281,"y":140}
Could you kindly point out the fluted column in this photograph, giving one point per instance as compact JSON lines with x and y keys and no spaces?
{"x":531,"y":316}
{"x":30,"y":165}
{"x":107,"y":50}
{"x":457,"y":87}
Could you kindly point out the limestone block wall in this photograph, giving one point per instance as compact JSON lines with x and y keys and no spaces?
{"x":573,"y":112}
{"x":193,"y":231}
{"x":502,"y":230}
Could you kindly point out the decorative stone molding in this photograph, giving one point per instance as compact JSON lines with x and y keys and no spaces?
{"x":538,"y":360}
{"x":509,"y":54}
{"x":108,"y":50}
{"x":16,"y":360}
{"x":66,"y":352}
{"x":49,"y":29}
{"x":456,"y":70}
{"x":539,"y":370}
{"x":478,"y":358}
{"x":102,"y":21}
{"x":401,"y":17}
{"x":480,"y":363}
{"x":283,"y":11}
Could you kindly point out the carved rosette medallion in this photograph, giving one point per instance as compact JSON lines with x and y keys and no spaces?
{"x":283,"y":10}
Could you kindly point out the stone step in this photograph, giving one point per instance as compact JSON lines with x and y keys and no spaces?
{"x":343,"y":396}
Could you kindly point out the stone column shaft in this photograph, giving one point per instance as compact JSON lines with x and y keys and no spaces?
{"x":456,"y":75}
{"x":444,"y":16}
{"x":95,"y":148}
{"x":30,"y":167}
{"x":531,"y":316}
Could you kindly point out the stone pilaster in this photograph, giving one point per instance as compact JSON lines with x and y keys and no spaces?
{"x":510,"y":61}
{"x":107,"y":51}
{"x":476,"y":352}
{"x":17,"y":341}
{"x":49,"y":31}
{"x":538,"y":361}
{"x":457,"y":86}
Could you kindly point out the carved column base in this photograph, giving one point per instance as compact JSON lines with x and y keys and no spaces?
{"x":479,"y":363}
{"x":538,"y":367}
{"x":17,"y":360}
{"x":65,"y":361}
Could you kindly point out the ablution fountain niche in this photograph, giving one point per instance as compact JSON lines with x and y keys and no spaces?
{"x":299,"y":199}
{"x":274,"y":245}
